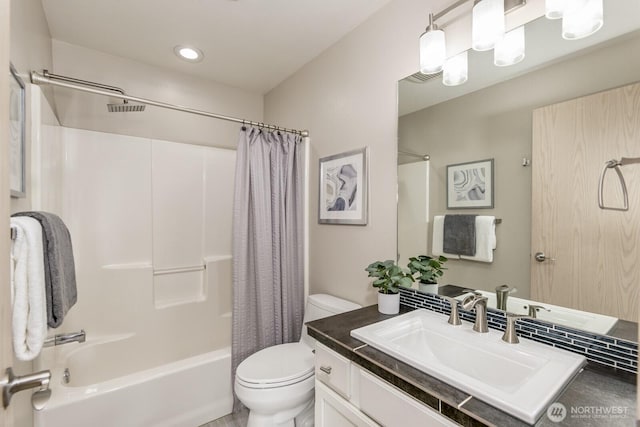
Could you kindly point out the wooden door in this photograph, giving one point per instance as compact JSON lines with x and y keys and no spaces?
{"x":6,"y":354}
{"x":596,"y":252}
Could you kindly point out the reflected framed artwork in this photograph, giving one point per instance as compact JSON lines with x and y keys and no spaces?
{"x":16,"y":134}
{"x":343,"y":188}
{"x":470,"y":185}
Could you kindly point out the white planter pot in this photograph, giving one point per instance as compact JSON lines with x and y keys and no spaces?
{"x":388,"y":303}
{"x":431,"y":288}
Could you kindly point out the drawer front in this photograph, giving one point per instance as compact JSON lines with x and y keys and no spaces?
{"x":333,"y":370}
{"x":392,"y":408}
{"x":331,"y":410}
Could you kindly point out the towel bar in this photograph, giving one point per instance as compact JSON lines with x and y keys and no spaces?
{"x":615,"y":165}
{"x":160,"y":272}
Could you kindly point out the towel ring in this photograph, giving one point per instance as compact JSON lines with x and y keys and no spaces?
{"x":615,"y":165}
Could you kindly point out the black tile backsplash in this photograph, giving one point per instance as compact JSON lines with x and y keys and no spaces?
{"x":604,"y":350}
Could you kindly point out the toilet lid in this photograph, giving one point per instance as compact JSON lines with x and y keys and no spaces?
{"x":277,"y":365}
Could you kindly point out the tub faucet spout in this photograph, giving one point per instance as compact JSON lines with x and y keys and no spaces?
{"x":66,"y":338}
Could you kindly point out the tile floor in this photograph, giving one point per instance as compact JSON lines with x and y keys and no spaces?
{"x":231,"y":420}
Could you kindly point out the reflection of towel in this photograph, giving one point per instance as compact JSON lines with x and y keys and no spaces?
{"x":29,"y":312}
{"x":485,"y":238}
{"x":460,"y":234}
{"x":59,"y":268}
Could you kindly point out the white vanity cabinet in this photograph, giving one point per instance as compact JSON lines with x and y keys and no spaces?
{"x":347,"y":395}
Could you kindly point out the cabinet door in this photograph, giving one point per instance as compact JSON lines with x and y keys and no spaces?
{"x":334,"y":411}
{"x":392,"y":408}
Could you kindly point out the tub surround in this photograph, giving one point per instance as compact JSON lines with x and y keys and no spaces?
{"x":595,"y":386}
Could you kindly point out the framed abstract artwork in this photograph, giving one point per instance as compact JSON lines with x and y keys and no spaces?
{"x":343,"y":188}
{"x":470,"y":185}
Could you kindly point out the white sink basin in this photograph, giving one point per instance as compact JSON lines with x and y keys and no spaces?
{"x":520,"y":379}
{"x":590,"y":322}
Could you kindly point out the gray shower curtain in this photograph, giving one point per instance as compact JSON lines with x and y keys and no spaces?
{"x":268,"y":257}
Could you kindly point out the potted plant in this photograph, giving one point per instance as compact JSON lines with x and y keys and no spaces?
{"x":389,"y":277}
{"x":427,"y":270}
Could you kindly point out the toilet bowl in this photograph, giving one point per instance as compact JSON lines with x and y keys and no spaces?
{"x":277,"y":383}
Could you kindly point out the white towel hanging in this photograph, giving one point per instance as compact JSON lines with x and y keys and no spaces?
{"x":29,"y":310}
{"x":485,"y":239}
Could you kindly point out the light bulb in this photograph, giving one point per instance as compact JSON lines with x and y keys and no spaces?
{"x":510,"y":49}
{"x":456,"y":70}
{"x":432,"y":51}
{"x":487,"y":26}
{"x":581,"y":18}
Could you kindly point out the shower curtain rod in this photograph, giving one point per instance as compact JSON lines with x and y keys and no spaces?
{"x":99,"y":89}
{"x":421,"y":156}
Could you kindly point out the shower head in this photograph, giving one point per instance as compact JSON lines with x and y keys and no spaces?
{"x":125,"y":107}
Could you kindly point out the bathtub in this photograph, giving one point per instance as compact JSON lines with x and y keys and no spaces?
{"x":108,"y":387}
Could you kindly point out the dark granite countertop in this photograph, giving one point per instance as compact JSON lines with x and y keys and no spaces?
{"x":596,"y":396}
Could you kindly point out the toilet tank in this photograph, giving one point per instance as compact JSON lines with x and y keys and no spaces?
{"x":323,"y":305}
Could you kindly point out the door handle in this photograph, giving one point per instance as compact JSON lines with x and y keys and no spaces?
{"x":541,"y":257}
{"x":11,"y":384}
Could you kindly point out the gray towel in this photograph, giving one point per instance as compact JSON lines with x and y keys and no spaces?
{"x":459,"y":234}
{"x":59,"y":267}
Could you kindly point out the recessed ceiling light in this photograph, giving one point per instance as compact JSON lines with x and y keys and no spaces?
{"x":187,"y":53}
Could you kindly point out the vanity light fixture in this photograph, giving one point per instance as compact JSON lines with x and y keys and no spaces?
{"x":510,"y":49}
{"x":188,"y":53}
{"x":487,"y":24}
{"x":456,"y":70}
{"x":432,"y":49}
{"x":581,"y":18}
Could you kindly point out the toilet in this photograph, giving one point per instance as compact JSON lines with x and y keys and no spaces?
{"x":277,"y":383}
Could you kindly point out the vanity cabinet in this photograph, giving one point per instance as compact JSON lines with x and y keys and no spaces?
{"x":348,"y":395}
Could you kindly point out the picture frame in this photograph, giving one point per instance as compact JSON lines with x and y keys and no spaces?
{"x":343,"y":188}
{"x":17,"y":128}
{"x":470,"y":185}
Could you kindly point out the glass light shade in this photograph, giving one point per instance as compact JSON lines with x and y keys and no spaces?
{"x":553,"y":9}
{"x":581,"y":18}
{"x":432,"y":51}
{"x":510,"y":49}
{"x":456,"y":70}
{"x":487,"y":26}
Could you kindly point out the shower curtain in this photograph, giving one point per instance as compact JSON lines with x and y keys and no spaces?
{"x":268,"y":270}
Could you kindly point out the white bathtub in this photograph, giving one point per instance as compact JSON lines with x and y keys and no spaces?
{"x":108,"y":387}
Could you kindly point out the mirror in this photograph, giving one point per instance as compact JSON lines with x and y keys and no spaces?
{"x":491,"y":117}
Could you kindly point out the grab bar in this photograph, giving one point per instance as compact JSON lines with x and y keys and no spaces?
{"x":60,"y":339}
{"x":160,"y":272}
{"x":615,"y":165}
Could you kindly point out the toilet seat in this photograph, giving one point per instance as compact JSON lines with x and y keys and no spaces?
{"x":276,"y":366}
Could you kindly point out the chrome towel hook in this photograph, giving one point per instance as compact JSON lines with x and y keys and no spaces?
{"x":615,"y":165}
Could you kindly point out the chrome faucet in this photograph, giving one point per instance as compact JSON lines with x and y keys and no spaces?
{"x":66,"y":338}
{"x":533,"y":310}
{"x":478,"y":302}
{"x":510,"y":335}
{"x":454,"y":316}
{"x":502,"y":293}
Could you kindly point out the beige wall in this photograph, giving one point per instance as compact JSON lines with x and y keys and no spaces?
{"x":30,"y":48}
{"x":346,"y":97}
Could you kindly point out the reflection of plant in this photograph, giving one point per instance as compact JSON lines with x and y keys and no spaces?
{"x":388,"y":276}
{"x":429,"y":269}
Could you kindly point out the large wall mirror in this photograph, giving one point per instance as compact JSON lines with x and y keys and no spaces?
{"x":549,"y":123}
